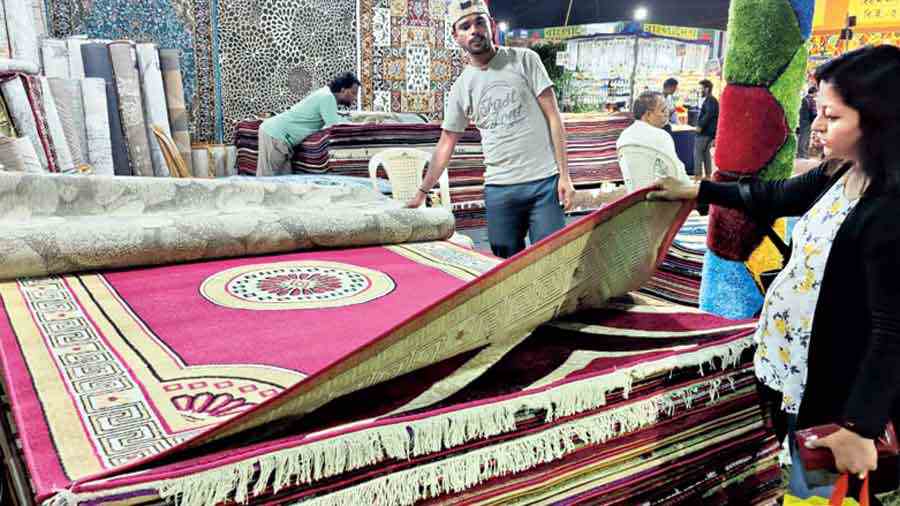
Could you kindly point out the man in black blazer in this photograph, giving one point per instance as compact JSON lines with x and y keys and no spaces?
{"x":706,"y":131}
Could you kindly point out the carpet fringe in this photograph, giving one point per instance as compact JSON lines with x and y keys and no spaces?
{"x":310,"y":463}
{"x":62,"y":498}
{"x":458,"y":474}
{"x":572,"y":399}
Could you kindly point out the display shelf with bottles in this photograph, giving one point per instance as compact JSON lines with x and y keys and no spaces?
{"x":604,"y":66}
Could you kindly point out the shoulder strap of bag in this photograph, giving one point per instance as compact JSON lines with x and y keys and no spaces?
{"x":747,"y":197}
{"x":839,"y":493}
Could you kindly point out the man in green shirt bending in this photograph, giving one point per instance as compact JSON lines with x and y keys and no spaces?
{"x":279,"y":134}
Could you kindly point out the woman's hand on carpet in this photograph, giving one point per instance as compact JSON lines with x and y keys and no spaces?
{"x":670,"y":188}
{"x":852,"y":452}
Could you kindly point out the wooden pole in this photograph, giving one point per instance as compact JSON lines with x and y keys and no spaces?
{"x":569,"y":12}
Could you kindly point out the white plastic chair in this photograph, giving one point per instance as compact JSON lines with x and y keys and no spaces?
{"x":642,"y":166}
{"x":404,"y":167}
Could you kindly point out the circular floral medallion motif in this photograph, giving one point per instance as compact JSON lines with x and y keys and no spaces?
{"x":296,"y":285}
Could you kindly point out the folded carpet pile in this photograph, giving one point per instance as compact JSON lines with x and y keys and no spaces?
{"x":678,"y":277}
{"x":347,"y":148}
{"x":385,"y":374}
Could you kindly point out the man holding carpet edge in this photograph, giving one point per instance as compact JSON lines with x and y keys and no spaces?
{"x":508,"y":95}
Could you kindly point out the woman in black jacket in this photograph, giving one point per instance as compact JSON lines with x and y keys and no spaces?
{"x":829,"y":333}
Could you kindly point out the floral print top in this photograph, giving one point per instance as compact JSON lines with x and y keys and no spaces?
{"x":786,"y":320}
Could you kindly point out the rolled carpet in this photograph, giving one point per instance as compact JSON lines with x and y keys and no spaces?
{"x":6,"y":125}
{"x":70,"y":107}
{"x":18,"y":155}
{"x":154,"y":95}
{"x":56,"y":130}
{"x":54,"y":54}
{"x":86,"y":222}
{"x":201,"y":162}
{"x":97,"y":63}
{"x":5,"y":53}
{"x":131,"y":109}
{"x":22,"y":116}
{"x":169,"y":62}
{"x":20,"y":26}
{"x":97,"y":130}
{"x":76,"y":63}
{"x":23,"y":66}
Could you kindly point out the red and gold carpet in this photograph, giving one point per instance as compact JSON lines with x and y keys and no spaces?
{"x":386,"y":374}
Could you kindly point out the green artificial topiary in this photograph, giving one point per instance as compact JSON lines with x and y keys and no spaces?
{"x":763,"y":37}
{"x":782,"y":166}
{"x":788,"y":88}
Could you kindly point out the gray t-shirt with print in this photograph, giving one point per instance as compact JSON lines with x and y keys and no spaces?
{"x":501,"y":100}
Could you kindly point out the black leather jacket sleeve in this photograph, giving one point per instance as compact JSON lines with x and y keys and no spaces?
{"x":769,"y":200}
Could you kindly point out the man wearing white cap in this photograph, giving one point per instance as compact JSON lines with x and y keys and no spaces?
{"x":508,"y":95}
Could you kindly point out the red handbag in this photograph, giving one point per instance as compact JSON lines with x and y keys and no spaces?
{"x":822,"y":458}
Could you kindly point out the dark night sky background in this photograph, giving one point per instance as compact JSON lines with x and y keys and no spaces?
{"x":546,"y":13}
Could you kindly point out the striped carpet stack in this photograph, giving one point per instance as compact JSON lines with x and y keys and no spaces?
{"x":639,"y":403}
{"x":591,"y":147}
{"x":678,"y":278}
{"x":347,"y":148}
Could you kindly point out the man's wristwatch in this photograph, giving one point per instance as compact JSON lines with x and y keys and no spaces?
{"x":423,"y":191}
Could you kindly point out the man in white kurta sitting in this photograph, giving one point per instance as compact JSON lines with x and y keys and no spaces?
{"x":646,"y":151}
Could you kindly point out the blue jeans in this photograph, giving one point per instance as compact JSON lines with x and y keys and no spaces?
{"x":518,"y":209}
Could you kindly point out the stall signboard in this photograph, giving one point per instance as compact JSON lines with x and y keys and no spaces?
{"x":877,"y":22}
{"x":819,"y":14}
{"x":520,"y":37}
{"x":831,"y":15}
{"x":678,"y":32}
{"x":827,"y":45}
{"x":875,"y":12}
{"x":560,"y":33}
